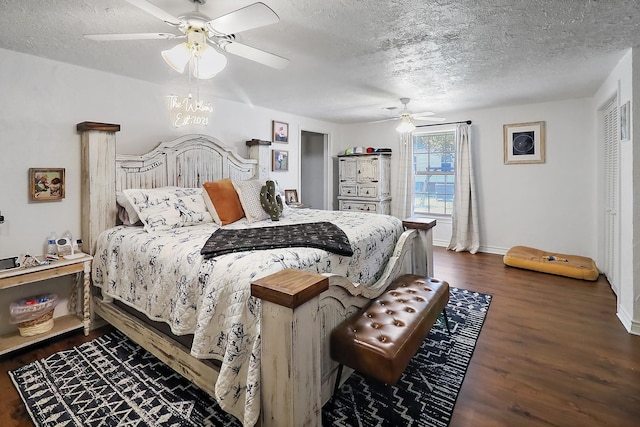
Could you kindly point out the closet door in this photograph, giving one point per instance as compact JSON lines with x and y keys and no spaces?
{"x":611,"y":160}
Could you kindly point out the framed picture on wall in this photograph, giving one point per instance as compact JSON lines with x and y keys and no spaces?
{"x":279,"y":160}
{"x":524,"y":143}
{"x":279,"y":132}
{"x":46,"y":184}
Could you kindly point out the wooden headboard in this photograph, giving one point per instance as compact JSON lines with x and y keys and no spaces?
{"x":187,"y":161}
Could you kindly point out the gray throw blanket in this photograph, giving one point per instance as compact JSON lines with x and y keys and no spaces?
{"x":320,"y":235}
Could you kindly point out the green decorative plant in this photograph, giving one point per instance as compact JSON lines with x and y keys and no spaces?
{"x":271,"y":201}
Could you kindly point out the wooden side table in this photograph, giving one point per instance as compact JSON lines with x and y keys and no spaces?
{"x":63,"y":267}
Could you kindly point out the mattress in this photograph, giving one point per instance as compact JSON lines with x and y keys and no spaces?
{"x":163,"y":275}
{"x":574,"y":266}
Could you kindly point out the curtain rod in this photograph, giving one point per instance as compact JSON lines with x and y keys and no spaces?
{"x":441,"y":124}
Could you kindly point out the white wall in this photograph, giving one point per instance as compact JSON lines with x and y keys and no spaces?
{"x":551,"y":206}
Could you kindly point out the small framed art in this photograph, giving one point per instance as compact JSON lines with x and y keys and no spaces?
{"x":524,"y":143}
{"x":624,"y":121}
{"x":46,"y":183}
{"x":291,"y":197}
{"x":279,"y":160}
{"x":279,"y":131}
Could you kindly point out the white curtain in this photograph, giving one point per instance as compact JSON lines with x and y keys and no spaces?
{"x":465,"y":235}
{"x":404,"y":191}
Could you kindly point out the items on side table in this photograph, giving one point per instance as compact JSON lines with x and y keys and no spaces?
{"x":33,"y":315}
{"x":32,"y":330}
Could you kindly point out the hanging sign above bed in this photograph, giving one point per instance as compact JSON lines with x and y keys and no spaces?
{"x":188,"y":111}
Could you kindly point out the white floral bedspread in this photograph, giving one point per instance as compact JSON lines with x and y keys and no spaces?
{"x":163,"y":275}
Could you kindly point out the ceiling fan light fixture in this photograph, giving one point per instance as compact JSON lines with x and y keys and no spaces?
{"x":208,"y":62}
{"x":177,"y":57}
{"x":405,"y":125}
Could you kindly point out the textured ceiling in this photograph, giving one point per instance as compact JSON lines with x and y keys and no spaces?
{"x":352,"y":58}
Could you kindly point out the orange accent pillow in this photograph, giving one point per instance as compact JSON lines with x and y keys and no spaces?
{"x":223,"y":201}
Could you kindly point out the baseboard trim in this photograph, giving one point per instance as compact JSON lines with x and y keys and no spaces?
{"x":486,"y":249}
{"x":632,"y":326}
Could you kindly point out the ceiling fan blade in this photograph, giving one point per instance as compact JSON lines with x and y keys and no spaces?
{"x":385,"y":120}
{"x":257,"y":55}
{"x":154,"y":10}
{"x":429,"y":119}
{"x":423,"y":114}
{"x":132,"y":36}
{"x":253,"y":16}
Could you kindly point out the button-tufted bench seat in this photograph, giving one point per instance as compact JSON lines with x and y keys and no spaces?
{"x":380,"y":339}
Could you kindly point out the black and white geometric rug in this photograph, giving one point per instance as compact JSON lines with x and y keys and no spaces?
{"x":111,"y":381}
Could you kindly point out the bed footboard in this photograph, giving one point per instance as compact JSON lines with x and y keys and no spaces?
{"x":174,"y":354}
{"x":299,"y":311}
{"x":290,"y":364}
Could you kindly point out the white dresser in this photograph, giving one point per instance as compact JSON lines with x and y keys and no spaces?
{"x":364,"y":181}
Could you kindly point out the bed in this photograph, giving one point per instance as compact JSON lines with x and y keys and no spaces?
{"x":237,"y":347}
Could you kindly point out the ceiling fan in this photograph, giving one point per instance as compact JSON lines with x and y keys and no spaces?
{"x":205,"y":37}
{"x":405,"y":116}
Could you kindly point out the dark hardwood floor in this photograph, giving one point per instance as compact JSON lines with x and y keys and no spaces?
{"x":551,"y":352}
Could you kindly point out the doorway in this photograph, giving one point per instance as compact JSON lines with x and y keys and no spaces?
{"x":314,"y":169}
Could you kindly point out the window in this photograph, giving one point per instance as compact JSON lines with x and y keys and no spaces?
{"x":434,"y":160}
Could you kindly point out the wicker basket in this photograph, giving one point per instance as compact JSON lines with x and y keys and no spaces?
{"x":37,"y":326}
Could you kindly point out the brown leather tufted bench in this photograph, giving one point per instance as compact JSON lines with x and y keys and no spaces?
{"x":380,"y":339}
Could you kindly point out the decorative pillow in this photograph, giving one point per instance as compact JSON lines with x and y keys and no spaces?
{"x":168,"y":207}
{"x":285,"y":207}
{"x":127,"y":214}
{"x":249,"y":194}
{"x":123,"y":218}
{"x":222,"y":201}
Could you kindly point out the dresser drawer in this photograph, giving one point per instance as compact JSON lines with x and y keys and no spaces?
{"x":348,"y":190}
{"x":346,"y":205}
{"x":368,"y":190}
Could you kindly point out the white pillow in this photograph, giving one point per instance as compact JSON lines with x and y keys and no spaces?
{"x":249,"y":194}
{"x":166,"y":208}
{"x":132,"y":215}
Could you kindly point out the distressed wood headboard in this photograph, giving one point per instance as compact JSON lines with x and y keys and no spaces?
{"x":187,"y":161}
